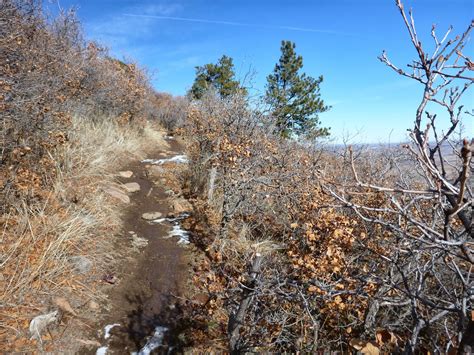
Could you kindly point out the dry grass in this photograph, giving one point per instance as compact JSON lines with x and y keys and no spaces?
{"x":38,"y":243}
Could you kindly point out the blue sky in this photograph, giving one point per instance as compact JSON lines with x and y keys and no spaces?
{"x":339,"y":39}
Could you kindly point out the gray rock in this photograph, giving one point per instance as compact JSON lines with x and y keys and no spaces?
{"x":132,"y":187}
{"x":126,"y":174}
{"x":116,"y":193}
{"x":82,"y":264}
{"x":149,"y":216}
{"x":39,"y":323}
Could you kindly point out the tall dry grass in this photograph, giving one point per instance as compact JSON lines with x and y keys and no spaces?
{"x":39,"y":243}
{"x":71,"y":115}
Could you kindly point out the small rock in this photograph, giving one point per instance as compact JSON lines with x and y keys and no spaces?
{"x":131,"y":232}
{"x":132,"y":187}
{"x":201,"y":298}
{"x":149,"y":216}
{"x":82,"y":264}
{"x":126,"y":174}
{"x":94,"y":306}
{"x":180,"y":206}
{"x":39,"y":323}
{"x":116,"y":193}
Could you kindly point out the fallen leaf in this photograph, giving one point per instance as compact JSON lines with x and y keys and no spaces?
{"x":64,"y":305}
{"x":364,"y":347}
{"x":385,"y":337}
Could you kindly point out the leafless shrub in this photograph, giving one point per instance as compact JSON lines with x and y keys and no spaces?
{"x":422,"y":266}
{"x":365,"y":248}
{"x":169,"y":111}
{"x":264,"y":197}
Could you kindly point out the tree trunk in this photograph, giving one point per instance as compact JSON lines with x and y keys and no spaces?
{"x":236,"y":320}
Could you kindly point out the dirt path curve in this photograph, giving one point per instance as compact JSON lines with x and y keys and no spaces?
{"x":144,"y":298}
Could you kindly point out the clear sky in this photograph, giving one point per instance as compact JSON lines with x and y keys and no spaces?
{"x":339,"y":39}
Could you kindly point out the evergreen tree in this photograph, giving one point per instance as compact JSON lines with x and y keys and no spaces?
{"x":220,"y":77}
{"x":294,"y":98}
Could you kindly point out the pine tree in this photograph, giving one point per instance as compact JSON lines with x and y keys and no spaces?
{"x":220,"y":77}
{"x":294,"y":98}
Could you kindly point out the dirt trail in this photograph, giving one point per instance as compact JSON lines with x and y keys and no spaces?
{"x":146,"y":295}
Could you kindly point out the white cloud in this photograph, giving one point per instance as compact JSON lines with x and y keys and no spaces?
{"x":122,"y":32}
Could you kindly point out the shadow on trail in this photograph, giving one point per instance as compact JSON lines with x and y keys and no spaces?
{"x":141,"y":323}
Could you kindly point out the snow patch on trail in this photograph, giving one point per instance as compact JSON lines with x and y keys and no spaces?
{"x":154,"y":342}
{"x":171,"y":219}
{"x":108,"y":328}
{"x":177,"y":230}
{"x":103,"y":349}
{"x":179,"y":159}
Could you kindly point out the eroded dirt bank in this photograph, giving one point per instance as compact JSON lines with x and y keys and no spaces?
{"x":146,"y":288}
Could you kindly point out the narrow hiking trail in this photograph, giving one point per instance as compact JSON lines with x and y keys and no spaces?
{"x":144,"y":292}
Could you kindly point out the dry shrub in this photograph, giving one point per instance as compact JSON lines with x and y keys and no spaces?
{"x":258,"y":194}
{"x":348,"y":242}
{"x":376,"y":246}
{"x":418,"y":210}
{"x":169,"y":111}
{"x":70,"y":115}
{"x":48,"y":73}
